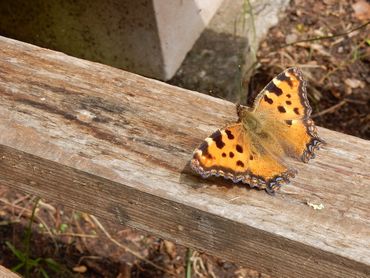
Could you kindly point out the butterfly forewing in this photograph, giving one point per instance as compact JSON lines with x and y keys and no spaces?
{"x":284,"y":109}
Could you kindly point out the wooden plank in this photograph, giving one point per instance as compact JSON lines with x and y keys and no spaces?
{"x":117,"y":145}
{"x":4,"y":272}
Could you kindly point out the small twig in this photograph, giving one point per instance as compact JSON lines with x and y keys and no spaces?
{"x":287,"y":56}
{"x":77,"y":235}
{"x":198,"y":265}
{"x":47,"y":206}
{"x":6,"y":223}
{"x":127,"y":249}
{"x":362,"y":102}
{"x":80,"y":231}
{"x":308,"y":66}
{"x":234,"y":198}
{"x":21,"y":199}
{"x":330,"y":109}
{"x":325,"y":37}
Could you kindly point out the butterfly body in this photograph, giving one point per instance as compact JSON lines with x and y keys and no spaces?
{"x":249,"y":121}
{"x":255,"y":149}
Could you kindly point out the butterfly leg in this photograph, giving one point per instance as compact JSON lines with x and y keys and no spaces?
{"x":272,"y":187}
{"x":270,"y":191}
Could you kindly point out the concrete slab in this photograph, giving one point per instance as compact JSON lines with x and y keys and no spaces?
{"x":218,"y":62}
{"x":149,"y":37}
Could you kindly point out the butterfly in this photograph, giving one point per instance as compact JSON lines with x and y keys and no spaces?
{"x":256,"y":148}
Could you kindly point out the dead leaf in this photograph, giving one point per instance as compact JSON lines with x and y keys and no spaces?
{"x":80,"y":269}
{"x":362,"y":10}
{"x":247,"y":273}
{"x":354,"y":83}
{"x":291,"y":38}
{"x":170,"y":248}
{"x":319,"y":206}
{"x":320,"y":49}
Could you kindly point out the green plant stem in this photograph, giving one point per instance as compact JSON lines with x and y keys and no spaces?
{"x":189,"y":253}
{"x":28,"y":237}
{"x":248,"y":8}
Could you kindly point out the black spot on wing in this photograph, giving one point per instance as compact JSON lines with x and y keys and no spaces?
{"x":204,"y":148}
{"x":283,"y":78}
{"x":215,"y":134}
{"x":229,"y":134}
{"x":268,"y":100}
{"x":271,"y":87}
{"x":223,"y":154}
{"x":288,"y":96}
{"x":296,"y":110}
{"x":251,"y":157}
{"x":288,"y":102}
{"x":281,"y":109}
{"x":231,"y":154}
{"x":240,"y":163}
{"x":217,"y":138}
{"x":209,"y":156}
{"x":239,"y":149}
{"x":288,"y":122}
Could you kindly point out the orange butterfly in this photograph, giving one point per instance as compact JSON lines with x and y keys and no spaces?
{"x":254,"y":149}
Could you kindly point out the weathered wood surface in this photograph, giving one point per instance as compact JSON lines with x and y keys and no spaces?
{"x":6,"y":273}
{"x":117,"y":145}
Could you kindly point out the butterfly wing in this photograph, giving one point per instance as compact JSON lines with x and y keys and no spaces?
{"x":283,"y":108}
{"x":234,"y":154}
{"x":253,"y":150}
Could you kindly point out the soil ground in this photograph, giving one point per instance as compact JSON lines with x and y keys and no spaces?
{"x":337,"y":70}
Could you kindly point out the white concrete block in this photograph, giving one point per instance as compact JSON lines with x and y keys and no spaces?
{"x":149,"y":37}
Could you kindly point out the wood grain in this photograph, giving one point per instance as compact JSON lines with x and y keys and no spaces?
{"x":6,"y":273}
{"x":117,"y":145}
